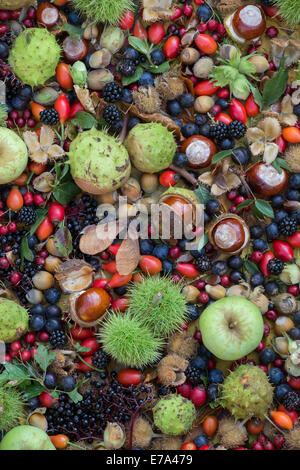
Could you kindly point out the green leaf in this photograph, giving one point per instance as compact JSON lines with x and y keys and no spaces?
{"x":43,"y":357}
{"x":41,"y":215}
{"x":202,"y":194}
{"x":134,"y":78}
{"x":26,"y":252}
{"x":250,"y":267}
{"x":257,"y":96}
{"x":84,"y":120}
{"x":164,"y":67}
{"x":202,"y":242}
{"x":244,"y":204}
{"x":280,"y":163}
{"x":66,"y":190}
{"x":264,"y":208}
{"x":31,"y":389}
{"x":63,"y":241}
{"x":75,"y":396}
{"x":75,"y":32}
{"x":220,"y":155}
{"x":139,"y":44}
{"x":80,"y":348}
{"x":13,"y":372}
{"x":275,"y":87}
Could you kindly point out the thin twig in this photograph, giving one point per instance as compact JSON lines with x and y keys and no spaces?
{"x":185,"y":174}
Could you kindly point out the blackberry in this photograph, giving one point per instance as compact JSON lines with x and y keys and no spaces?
{"x":193,"y":374}
{"x":220,"y":131}
{"x":49,"y":116}
{"x":100,"y":359}
{"x":112,"y":92}
{"x":288,"y":226}
{"x":127,"y":67}
{"x":27,"y":215}
{"x":275,"y":266}
{"x":111,"y":115}
{"x":58,"y":338}
{"x":237,"y":129}
{"x":291,"y":401}
{"x":203,"y":264}
{"x":163,"y":390}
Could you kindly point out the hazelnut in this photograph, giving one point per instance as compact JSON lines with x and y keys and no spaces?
{"x":203,"y":104}
{"x":283,"y":324}
{"x":43,"y":280}
{"x":149,"y":182}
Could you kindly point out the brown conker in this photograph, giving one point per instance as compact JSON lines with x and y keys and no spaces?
{"x":266,"y":180}
{"x":249,"y":22}
{"x":199,"y":151}
{"x":92,"y":304}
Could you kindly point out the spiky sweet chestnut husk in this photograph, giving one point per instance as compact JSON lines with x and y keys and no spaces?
{"x":11,"y":408}
{"x":128,"y":341}
{"x":174,"y":415}
{"x":292,"y":157}
{"x":104,"y":11}
{"x":247,"y":392}
{"x":99,"y":163}
{"x":151,"y":147}
{"x":13,"y":320}
{"x":231,"y":433}
{"x":34,"y":56}
{"x":158,"y":304}
{"x":147,"y":100}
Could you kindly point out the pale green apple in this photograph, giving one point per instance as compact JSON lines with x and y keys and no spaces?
{"x":231,"y":328}
{"x":26,"y":438}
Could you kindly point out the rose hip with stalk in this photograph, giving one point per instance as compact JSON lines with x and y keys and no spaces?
{"x":56,"y":213}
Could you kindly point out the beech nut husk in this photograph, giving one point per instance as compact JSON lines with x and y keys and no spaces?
{"x":229,"y":234}
{"x":74,"y":276}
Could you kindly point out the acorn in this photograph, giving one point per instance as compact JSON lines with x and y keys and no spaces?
{"x":199,"y":151}
{"x":229,"y":234}
{"x":266,"y":180}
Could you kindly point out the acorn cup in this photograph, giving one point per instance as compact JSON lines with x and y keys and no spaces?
{"x":229,"y":234}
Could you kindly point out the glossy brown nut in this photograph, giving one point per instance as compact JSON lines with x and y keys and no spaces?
{"x":47,"y":14}
{"x":249,"y":22}
{"x":199,"y":151}
{"x":92,"y":304}
{"x":178,"y":204}
{"x":266,"y":180}
{"x":228,"y":235}
{"x":74,"y":49}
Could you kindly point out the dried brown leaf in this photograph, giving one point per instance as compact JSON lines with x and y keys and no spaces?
{"x":128,"y":255}
{"x":85,"y":99}
{"x":98,"y":238}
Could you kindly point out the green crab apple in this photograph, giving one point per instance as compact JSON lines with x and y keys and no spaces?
{"x":231,"y":328}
